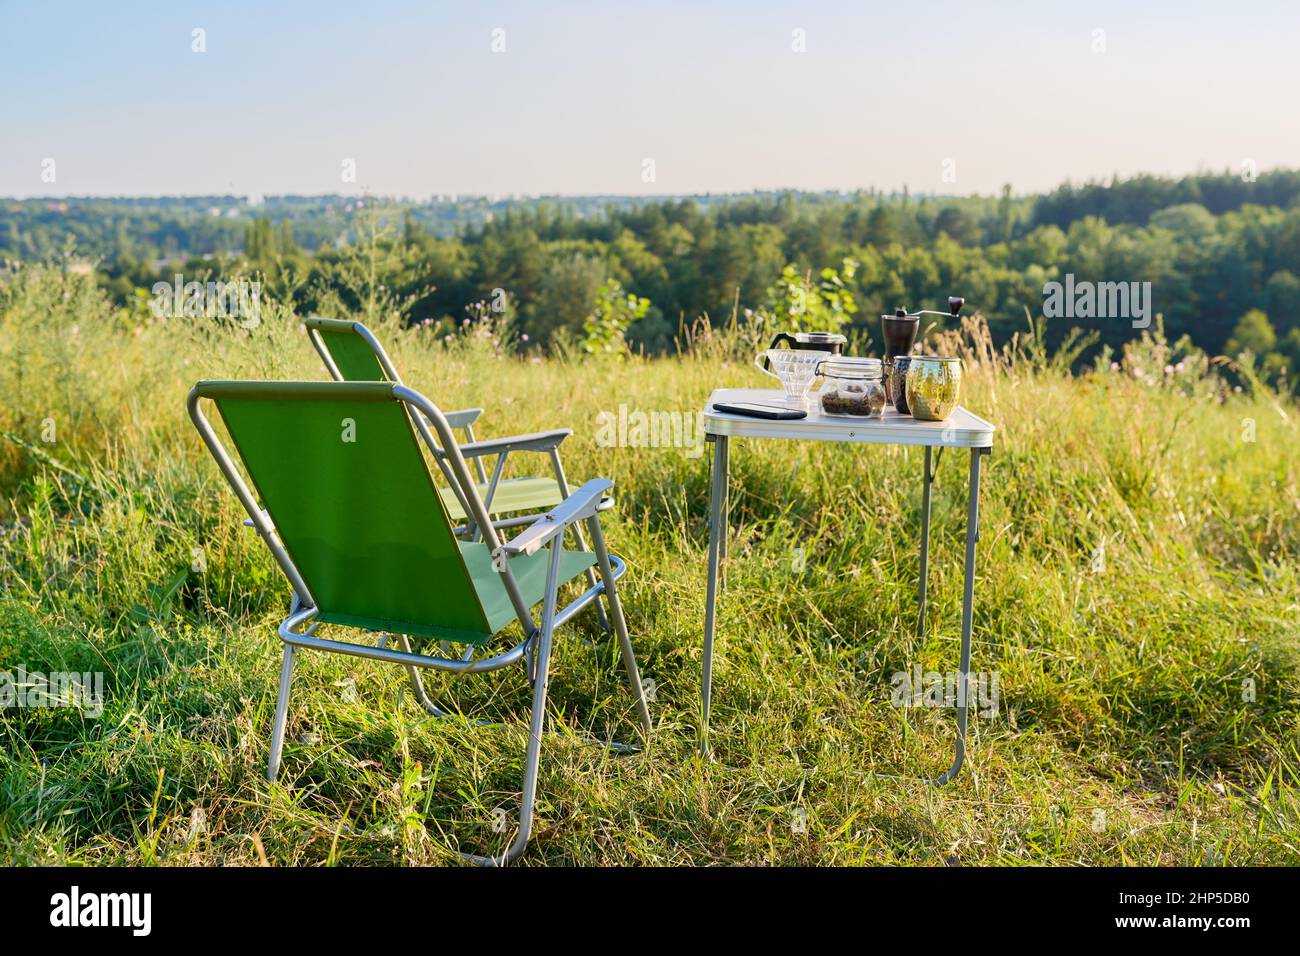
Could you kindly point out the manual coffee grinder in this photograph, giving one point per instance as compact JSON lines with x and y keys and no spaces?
{"x":900,"y":334}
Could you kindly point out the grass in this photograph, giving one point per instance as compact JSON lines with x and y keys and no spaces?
{"x":1137,"y":599}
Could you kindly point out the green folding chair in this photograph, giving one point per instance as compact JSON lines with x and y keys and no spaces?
{"x":341,"y":494}
{"x":351,"y":353}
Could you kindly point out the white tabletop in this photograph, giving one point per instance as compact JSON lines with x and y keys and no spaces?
{"x":962,"y":429}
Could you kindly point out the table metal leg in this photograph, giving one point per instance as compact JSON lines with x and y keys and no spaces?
{"x":927,"y":480}
{"x":716,"y":532}
{"x":725,"y":522}
{"x":967,"y":614}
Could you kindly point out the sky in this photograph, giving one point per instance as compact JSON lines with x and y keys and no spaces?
{"x":636,"y":98}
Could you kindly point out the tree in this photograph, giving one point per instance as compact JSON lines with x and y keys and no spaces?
{"x":796,"y":301}
{"x":1189,"y":220}
{"x":1290,"y":348}
{"x":882,"y":226}
{"x":261,"y":243}
{"x":565,"y":296}
{"x":614,"y":311}
{"x":1282,"y":292}
{"x":957,"y":225}
{"x":1254,"y":332}
{"x":1006,"y":214}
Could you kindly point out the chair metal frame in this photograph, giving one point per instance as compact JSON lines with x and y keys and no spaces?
{"x":297,"y":631}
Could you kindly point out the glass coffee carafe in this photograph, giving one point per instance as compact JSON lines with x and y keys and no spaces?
{"x":831,"y":342}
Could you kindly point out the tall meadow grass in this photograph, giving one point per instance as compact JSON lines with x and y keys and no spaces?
{"x":1137,"y":599}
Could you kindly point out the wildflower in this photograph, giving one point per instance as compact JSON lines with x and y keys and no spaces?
{"x":75,"y":329}
{"x":524,"y":337}
{"x":1169,"y":370}
{"x":1114,"y":366}
{"x":1181,"y":366}
{"x":1236,"y":388}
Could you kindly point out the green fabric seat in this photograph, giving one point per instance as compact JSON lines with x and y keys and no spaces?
{"x":529,"y":571}
{"x":512,"y":494}
{"x":353,"y":507}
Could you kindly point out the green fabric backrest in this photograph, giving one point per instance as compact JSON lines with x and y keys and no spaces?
{"x":352,"y":355}
{"x":360,"y":518}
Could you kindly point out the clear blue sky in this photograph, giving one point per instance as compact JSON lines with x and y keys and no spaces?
{"x":585,"y":92}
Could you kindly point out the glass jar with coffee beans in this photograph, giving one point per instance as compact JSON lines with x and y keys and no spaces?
{"x":854,"y":387}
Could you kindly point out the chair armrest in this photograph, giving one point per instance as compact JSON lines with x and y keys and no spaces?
{"x":462,"y":418}
{"x":583,"y":503}
{"x":537,"y":441}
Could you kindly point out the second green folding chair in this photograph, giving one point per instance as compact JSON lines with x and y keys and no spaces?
{"x":351,"y":353}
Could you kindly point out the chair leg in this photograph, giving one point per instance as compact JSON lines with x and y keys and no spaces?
{"x":417,"y":683}
{"x":577,"y":534}
{"x":281,"y":713}
{"x":532,"y":757}
{"x":591,"y":582}
{"x":620,"y":626}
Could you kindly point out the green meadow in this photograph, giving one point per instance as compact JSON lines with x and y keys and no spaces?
{"x":1137,"y":601}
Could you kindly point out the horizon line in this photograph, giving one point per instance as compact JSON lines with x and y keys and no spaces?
{"x":256,"y":198}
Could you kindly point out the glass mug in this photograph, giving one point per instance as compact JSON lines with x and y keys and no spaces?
{"x":933,"y":386}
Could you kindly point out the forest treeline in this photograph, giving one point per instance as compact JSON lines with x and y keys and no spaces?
{"x":1221,"y":251}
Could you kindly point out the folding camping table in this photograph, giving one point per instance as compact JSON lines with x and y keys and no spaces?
{"x":961,"y":430}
